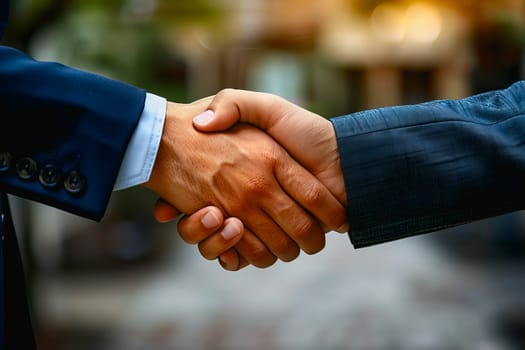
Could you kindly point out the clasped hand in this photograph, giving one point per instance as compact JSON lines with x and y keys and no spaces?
{"x":279,"y":180}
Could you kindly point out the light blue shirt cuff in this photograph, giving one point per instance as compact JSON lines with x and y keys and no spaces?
{"x":142,"y":149}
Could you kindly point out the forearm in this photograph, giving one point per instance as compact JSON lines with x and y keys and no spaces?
{"x":416,"y":169}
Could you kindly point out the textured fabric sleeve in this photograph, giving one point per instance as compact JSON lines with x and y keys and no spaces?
{"x":415,"y":169}
{"x":63,"y":132}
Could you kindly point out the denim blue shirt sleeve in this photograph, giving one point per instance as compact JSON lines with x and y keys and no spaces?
{"x":142,"y":149}
{"x":415,"y":169}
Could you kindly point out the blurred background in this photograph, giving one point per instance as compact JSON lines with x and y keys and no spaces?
{"x":130,"y":283}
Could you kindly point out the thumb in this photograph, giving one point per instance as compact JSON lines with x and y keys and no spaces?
{"x":211,"y":121}
{"x":230,"y":106}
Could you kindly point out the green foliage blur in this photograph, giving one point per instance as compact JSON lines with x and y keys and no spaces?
{"x":125,"y":40}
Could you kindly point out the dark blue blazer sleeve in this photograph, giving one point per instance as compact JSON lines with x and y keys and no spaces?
{"x":415,"y":169}
{"x":66,"y":120}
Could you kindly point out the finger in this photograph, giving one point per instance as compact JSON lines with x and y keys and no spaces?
{"x":343,"y":228}
{"x":164,"y":212}
{"x":224,"y":239}
{"x":298,"y":224}
{"x":206,"y":121}
{"x":311,"y":194}
{"x":265,"y":111}
{"x":230,"y":106}
{"x":231,"y":260}
{"x":277,"y":241}
{"x":200,"y":225}
{"x":253,"y":251}
{"x":242,"y":263}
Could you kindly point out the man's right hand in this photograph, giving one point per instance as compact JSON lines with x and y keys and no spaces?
{"x":245,"y":174}
{"x":308,"y":137}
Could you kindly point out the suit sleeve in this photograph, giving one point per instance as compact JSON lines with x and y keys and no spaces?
{"x":63,"y":132}
{"x":415,"y":169}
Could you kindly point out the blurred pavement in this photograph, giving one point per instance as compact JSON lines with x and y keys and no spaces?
{"x":401,"y":295}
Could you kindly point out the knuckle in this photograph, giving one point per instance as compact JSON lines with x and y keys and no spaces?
{"x":257,"y":186}
{"x":313,"y":195}
{"x":258,"y":253}
{"x":309,"y":235}
{"x":274,"y":157}
{"x":224,"y":93}
{"x":286,"y":249}
{"x":259,"y":256}
{"x":237,"y":208}
{"x":304,"y":229}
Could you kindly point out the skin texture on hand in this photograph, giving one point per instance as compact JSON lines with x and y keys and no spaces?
{"x":307,"y":136}
{"x":207,"y":227}
{"x":245,"y":174}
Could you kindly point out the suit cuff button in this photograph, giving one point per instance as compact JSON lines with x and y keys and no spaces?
{"x":75,"y":182}
{"x":49,"y":176}
{"x":5,"y":162}
{"x":26,"y":168}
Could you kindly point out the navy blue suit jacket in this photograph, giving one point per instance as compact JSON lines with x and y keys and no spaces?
{"x":63,"y":136}
{"x":421,"y":168}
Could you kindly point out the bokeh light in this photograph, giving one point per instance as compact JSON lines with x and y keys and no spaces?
{"x":388,"y":22}
{"x":418,"y":22}
{"x":424,"y":23}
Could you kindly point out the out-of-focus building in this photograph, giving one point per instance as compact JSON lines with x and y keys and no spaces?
{"x":349,"y":55}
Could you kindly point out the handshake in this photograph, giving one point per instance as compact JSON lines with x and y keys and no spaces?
{"x":258,"y":177}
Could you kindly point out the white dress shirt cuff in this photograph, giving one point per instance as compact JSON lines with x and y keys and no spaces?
{"x":142,"y":149}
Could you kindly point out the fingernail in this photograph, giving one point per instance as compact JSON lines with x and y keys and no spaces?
{"x":204,"y":118}
{"x":229,"y":232}
{"x":210,"y":220}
